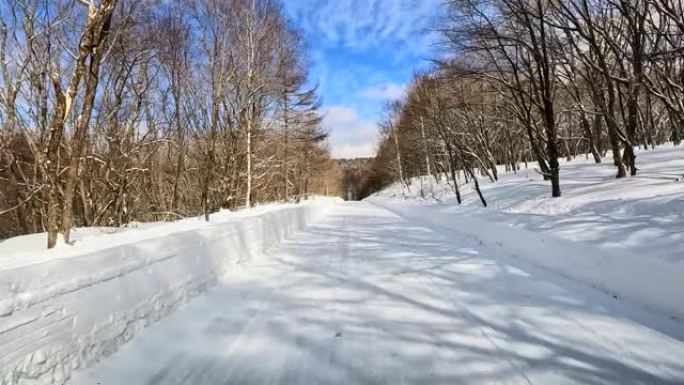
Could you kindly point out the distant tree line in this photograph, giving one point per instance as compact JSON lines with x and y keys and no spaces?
{"x":117,"y":111}
{"x":352,"y":181}
{"x":538,"y":80}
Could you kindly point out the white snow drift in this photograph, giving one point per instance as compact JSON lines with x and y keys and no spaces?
{"x":625,"y":236}
{"x":65,"y":309}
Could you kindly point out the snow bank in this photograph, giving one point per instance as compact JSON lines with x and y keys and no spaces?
{"x":654,"y":283}
{"x":68,"y":308}
{"x":624,"y":236}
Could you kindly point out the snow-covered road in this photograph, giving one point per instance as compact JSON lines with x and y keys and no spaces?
{"x":367,"y":297}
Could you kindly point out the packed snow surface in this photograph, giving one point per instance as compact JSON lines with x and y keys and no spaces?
{"x":368,"y":297}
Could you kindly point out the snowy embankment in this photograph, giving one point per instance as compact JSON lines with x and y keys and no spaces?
{"x":625,"y":237}
{"x":65,"y":309}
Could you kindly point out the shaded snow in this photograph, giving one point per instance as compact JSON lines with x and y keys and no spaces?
{"x":624,"y":237}
{"x":642,"y":215}
{"x":67,"y":308}
{"x":368,"y":297}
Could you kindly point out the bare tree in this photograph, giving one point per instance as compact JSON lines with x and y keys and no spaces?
{"x":115,"y":112}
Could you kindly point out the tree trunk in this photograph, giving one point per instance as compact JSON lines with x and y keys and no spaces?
{"x":94,"y":34}
{"x":452,"y":170}
{"x":80,"y":138}
{"x":425,"y":146}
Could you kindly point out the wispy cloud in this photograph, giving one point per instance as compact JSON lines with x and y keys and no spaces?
{"x":364,"y":52}
{"x":368,"y":24}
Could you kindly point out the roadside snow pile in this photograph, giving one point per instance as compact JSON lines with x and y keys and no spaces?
{"x":30,"y":249}
{"x":624,"y":236}
{"x":65,"y":309}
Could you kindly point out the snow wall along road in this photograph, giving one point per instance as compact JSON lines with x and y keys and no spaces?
{"x":68,"y":313}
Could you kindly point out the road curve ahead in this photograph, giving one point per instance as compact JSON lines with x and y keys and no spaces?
{"x":366,"y":297}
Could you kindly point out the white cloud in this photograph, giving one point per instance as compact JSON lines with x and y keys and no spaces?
{"x":390,"y":91}
{"x":349,"y":151}
{"x":363,"y":51}
{"x":369,"y":24}
{"x":350,"y":135}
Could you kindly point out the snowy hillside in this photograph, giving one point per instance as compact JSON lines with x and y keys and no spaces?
{"x":643,"y":213}
{"x":604,"y":230}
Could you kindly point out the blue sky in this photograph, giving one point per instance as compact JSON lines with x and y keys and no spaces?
{"x":364,"y":52}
